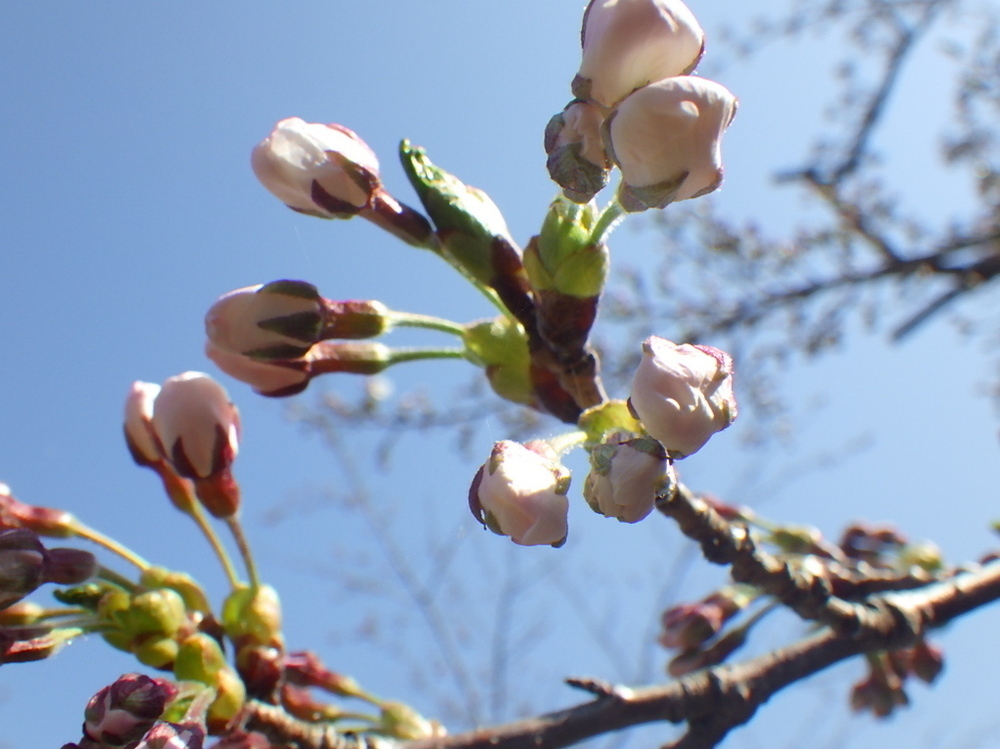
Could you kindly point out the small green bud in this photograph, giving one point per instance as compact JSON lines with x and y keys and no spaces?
{"x":500,"y":346}
{"x":158,"y":652}
{"x":160,"y":611}
{"x":253,"y":614}
{"x":180,"y":582}
{"x":200,"y":658}
{"x":564,"y":257}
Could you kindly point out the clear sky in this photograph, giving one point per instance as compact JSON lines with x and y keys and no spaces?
{"x":129,"y":206}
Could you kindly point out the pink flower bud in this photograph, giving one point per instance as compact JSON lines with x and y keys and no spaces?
{"x":45,"y":521}
{"x":626,"y":476}
{"x":271,"y":378}
{"x":197,"y":425}
{"x":284,"y":319}
{"x":683,"y":394}
{"x":174,"y":736}
{"x":688,"y":625}
{"x":323,"y":170}
{"x":282,"y":316}
{"x":666,"y":137}
{"x":139,"y":435}
{"x":522,"y":494}
{"x":630,"y":43}
{"x":124,"y":711}
{"x":283,"y":377}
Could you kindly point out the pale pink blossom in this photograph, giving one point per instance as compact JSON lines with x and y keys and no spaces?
{"x":197,"y":425}
{"x":323,"y":170}
{"x":666,"y":138}
{"x":139,"y":435}
{"x":631,"y":43}
{"x":522,"y":494}
{"x":273,"y":378}
{"x":626,"y":476}
{"x":683,"y":394}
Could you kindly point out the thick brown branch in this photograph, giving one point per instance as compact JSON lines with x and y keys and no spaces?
{"x":716,"y":700}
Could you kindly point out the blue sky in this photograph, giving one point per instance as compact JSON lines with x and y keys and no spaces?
{"x":129,"y":206}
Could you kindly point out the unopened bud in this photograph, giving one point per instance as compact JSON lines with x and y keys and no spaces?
{"x":626,"y":475}
{"x":322,"y":170}
{"x":666,"y":137}
{"x":124,"y":711}
{"x":522,"y":494}
{"x":201,"y":659}
{"x":631,"y":43}
{"x":683,"y":394}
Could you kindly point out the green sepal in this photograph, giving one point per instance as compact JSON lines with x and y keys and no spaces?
{"x":468,"y":222}
{"x":500,"y":346}
{"x":610,"y":416}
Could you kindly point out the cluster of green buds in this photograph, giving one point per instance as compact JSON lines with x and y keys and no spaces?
{"x":217,"y":662}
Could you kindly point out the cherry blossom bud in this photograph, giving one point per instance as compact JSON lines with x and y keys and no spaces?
{"x":403,"y":722}
{"x":27,"y":644}
{"x":576,"y":159}
{"x":283,"y":319}
{"x":631,"y":43}
{"x":173,"y":736}
{"x":683,"y":394}
{"x":626,"y":476}
{"x":323,"y":170}
{"x":926,"y":661}
{"x":139,"y":434}
{"x":124,"y":711}
{"x":283,"y":377}
{"x":45,"y":521}
{"x":22,"y":565}
{"x":666,"y":137}
{"x":197,"y":425}
{"x":200,"y":658}
{"x":521,"y":493}
{"x":688,"y":625}
{"x":304,"y":668}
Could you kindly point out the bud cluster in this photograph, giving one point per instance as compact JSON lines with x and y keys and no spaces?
{"x":884,"y":688}
{"x":639,"y":107}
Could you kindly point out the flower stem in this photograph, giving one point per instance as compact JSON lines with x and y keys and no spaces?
{"x":413,"y":320}
{"x":241,"y":542}
{"x":610,"y":217}
{"x":197,"y":514}
{"x":563,"y":443}
{"x":109,"y":575}
{"x":85,"y":531}
{"x":413,"y":354}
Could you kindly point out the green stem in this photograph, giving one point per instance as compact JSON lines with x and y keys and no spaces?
{"x":85,"y":531}
{"x":610,"y":217}
{"x":109,"y":575}
{"x":241,"y":542}
{"x":563,"y":443}
{"x":413,"y":320}
{"x":399,"y":355}
{"x":197,"y":514}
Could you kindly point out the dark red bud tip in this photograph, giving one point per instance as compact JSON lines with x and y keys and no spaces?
{"x":219,"y":494}
{"x":69,"y":566}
